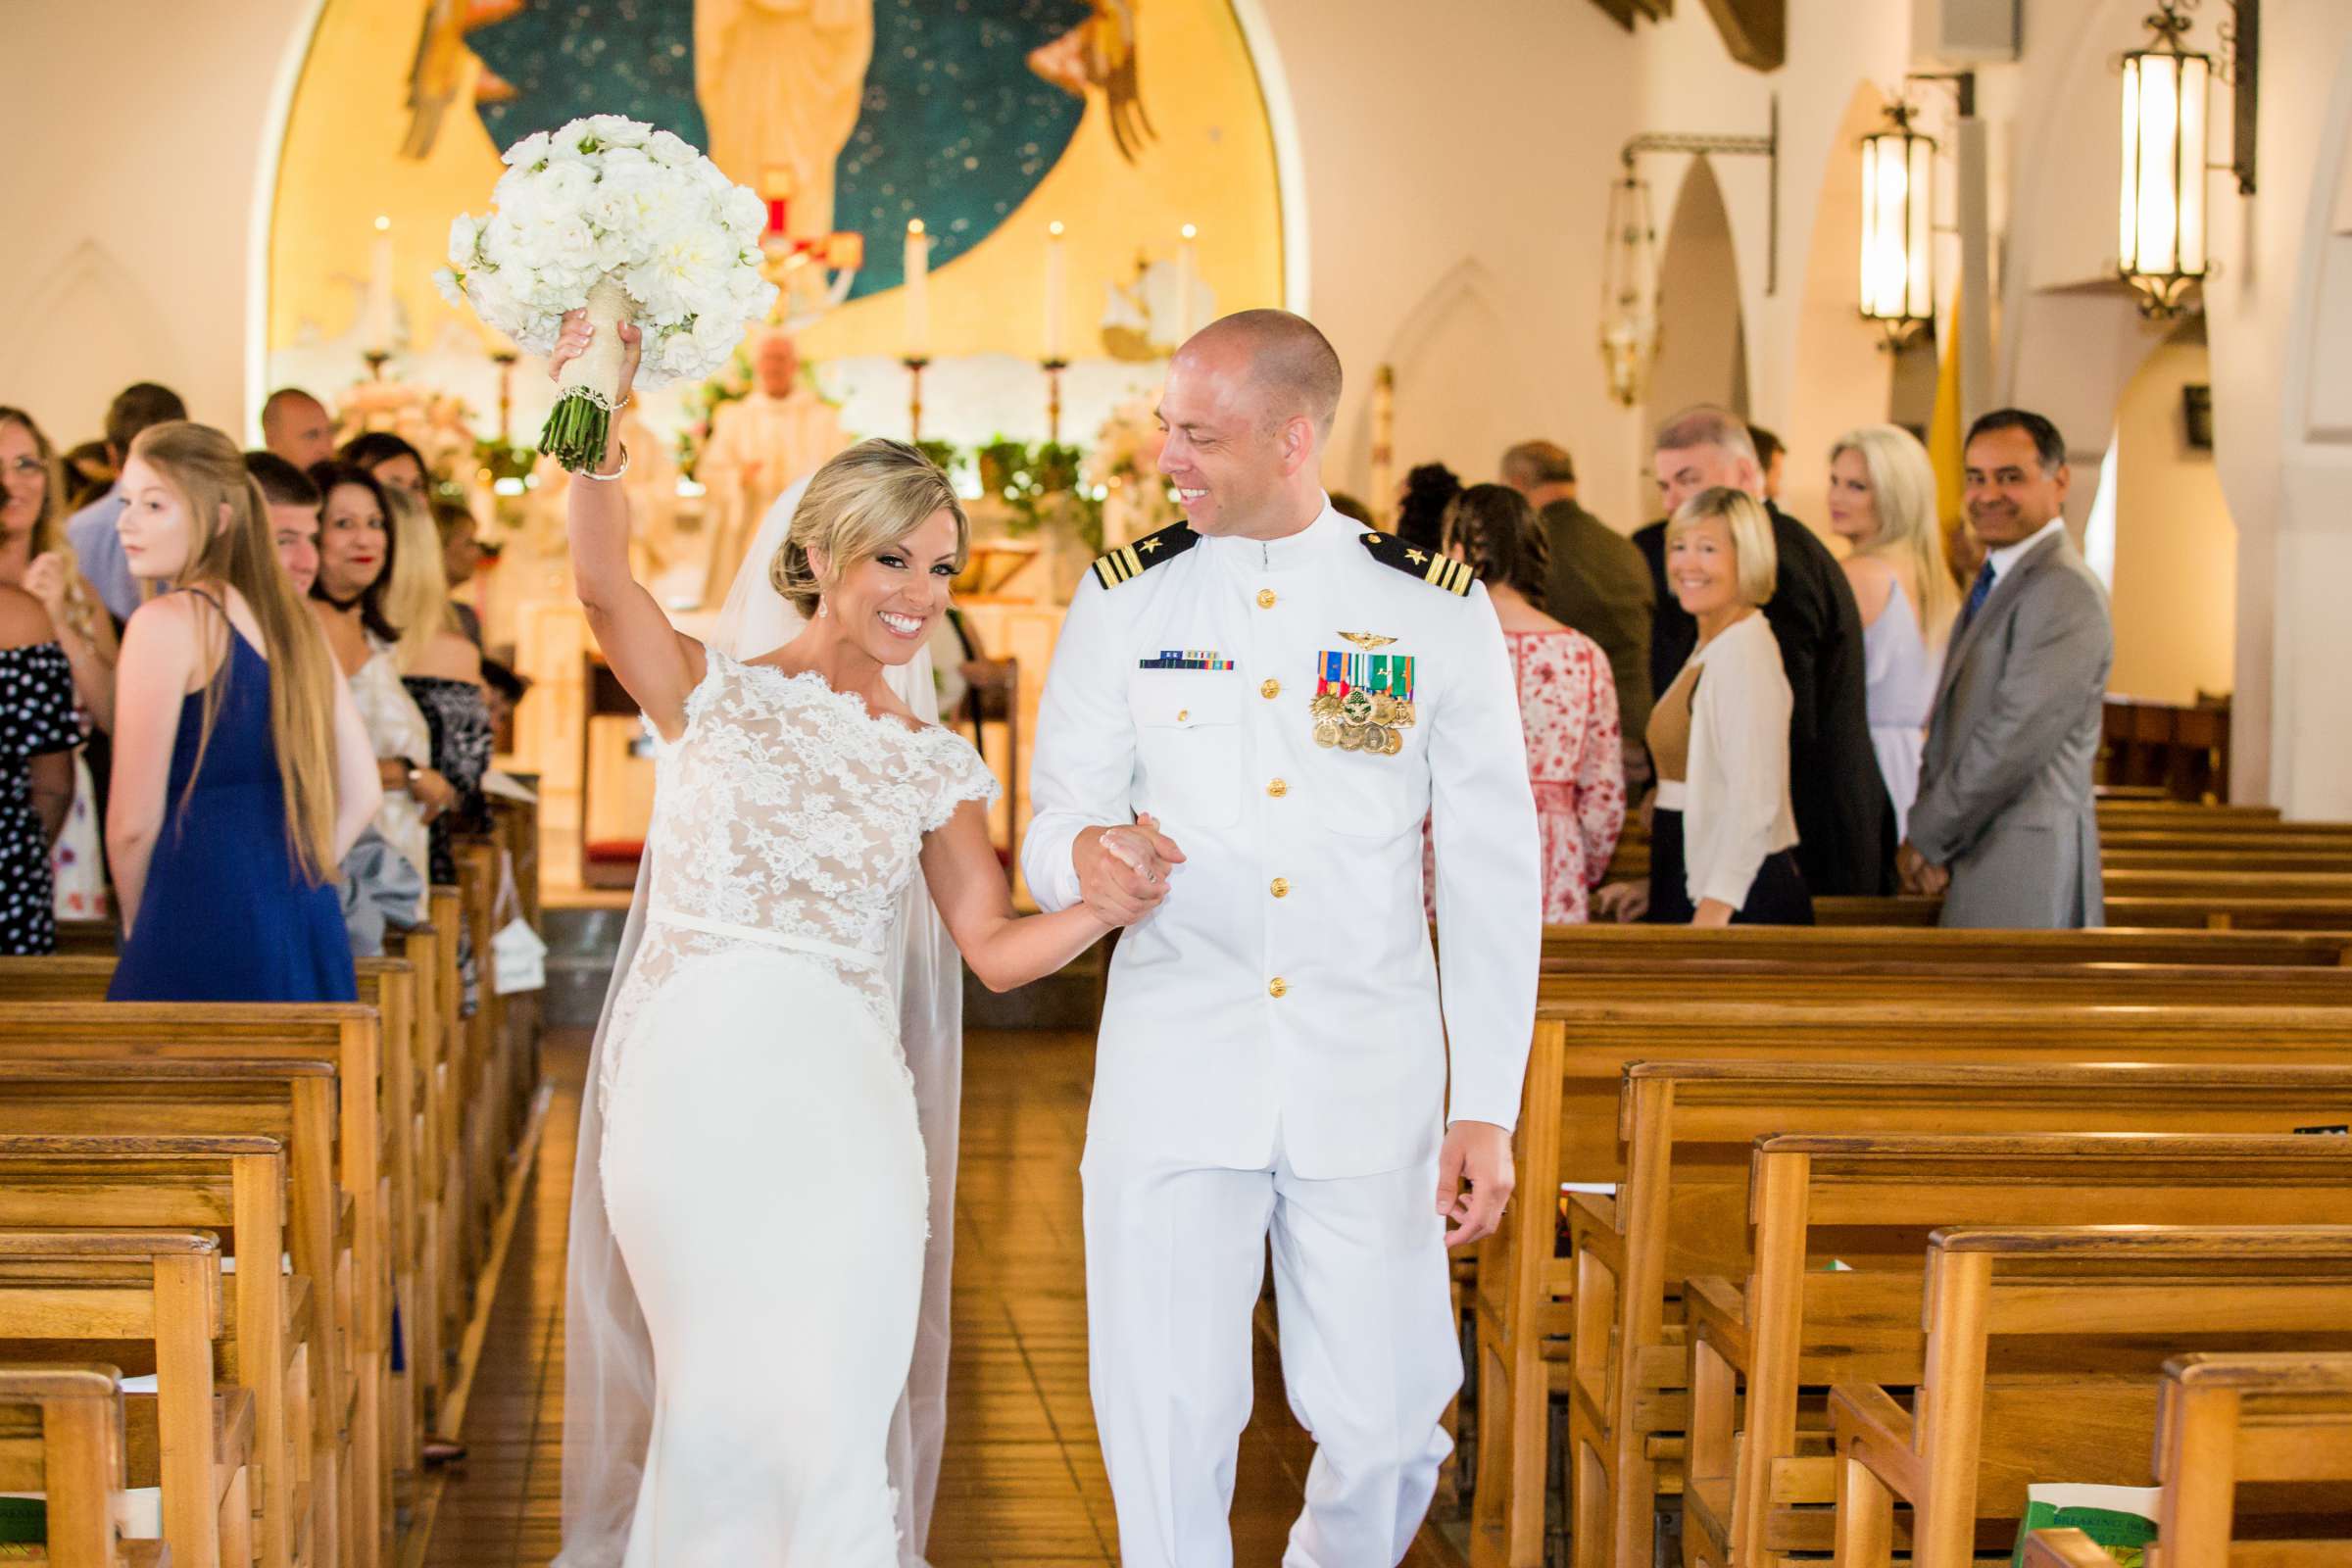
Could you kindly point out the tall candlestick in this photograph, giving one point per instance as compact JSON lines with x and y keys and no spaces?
{"x":914,"y":363}
{"x":1384,"y":443}
{"x":1056,"y":287}
{"x":918,"y":291}
{"x":377,"y":320}
{"x":1184,"y":286}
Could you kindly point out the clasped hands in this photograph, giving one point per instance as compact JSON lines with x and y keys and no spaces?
{"x":1916,"y":874}
{"x":1123,"y":870}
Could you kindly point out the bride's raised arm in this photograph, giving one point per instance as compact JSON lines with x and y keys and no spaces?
{"x":655,"y":662}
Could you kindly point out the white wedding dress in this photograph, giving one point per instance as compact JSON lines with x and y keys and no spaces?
{"x":762,"y":1168}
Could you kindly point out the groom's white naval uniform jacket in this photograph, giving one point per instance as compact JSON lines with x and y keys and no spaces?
{"x":1274,"y":1044}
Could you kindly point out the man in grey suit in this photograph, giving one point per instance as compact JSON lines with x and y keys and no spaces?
{"x":2004,"y":825}
{"x":1598,"y":585}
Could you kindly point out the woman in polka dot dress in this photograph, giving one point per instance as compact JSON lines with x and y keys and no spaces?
{"x":37,"y":737}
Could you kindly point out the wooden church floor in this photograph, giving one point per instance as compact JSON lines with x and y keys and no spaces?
{"x":1022,"y":1480}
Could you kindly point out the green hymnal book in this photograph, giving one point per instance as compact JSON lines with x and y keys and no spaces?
{"x":2120,"y":1519}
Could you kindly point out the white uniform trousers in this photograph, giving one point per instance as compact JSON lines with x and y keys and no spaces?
{"x":1175,"y":1258}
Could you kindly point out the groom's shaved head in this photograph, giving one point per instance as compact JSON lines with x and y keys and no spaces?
{"x":1284,"y":359}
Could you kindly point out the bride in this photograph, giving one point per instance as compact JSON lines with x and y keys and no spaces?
{"x":744,"y":1298}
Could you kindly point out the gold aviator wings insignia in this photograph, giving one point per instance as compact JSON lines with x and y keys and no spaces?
{"x":1367,"y":640}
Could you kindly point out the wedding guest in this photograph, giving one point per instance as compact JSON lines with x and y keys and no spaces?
{"x":1723,"y":828}
{"x":38,"y":731}
{"x":356,"y":548}
{"x":442,"y":672}
{"x":293,"y":502}
{"x":2005,"y":825}
{"x":1771,"y":456}
{"x":241,"y":769}
{"x":392,"y":461}
{"x":92,"y":529}
{"x":34,"y":556}
{"x":1567,"y":703}
{"x":87,"y":472}
{"x":297,"y":427}
{"x":1883,"y":505}
{"x":1598,"y":583}
{"x":459,"y":538}
{"x":504,"y":691}
{"x":1421,"y":504}
{"x":1844,"y":823}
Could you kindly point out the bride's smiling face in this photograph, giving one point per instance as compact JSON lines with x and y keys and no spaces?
{"x":887,"y":602}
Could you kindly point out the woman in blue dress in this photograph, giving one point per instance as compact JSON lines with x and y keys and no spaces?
{"x":242,"y":773}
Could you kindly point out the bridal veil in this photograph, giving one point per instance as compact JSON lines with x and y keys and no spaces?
{"x":609,"y":1358}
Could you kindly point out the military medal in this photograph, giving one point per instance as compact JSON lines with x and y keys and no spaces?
{"x":1363,"y":700}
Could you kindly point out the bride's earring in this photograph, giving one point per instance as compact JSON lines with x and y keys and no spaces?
{"x":822,"y":609}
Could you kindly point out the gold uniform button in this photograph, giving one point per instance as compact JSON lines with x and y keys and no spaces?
{"x":1280,"y":887}
{"x":1183,"y":714}
{"x":1278,"y":789}
{"x":1277,"y":986}
{"x":1270,"y":689}
{"x":1265,"y":599}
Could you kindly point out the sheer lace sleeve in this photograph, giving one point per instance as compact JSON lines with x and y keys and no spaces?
{"x":961,"y":776}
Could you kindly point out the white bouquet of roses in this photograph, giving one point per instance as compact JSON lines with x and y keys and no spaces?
{"x":632,"y":225}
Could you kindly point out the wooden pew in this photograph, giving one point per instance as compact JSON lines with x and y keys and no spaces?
{"x":343,"y":1036}
{"x":2218,"y":911}
{"x":1794,"y":1325}
{"x":1568,"y":1133}
{"x":61,"y":1435}
{"x":1647,"y":947}
{"x":287,"y":1105}
{"x":2037,"y":1365}
{"x":2223,"y":1421}
{"x":1686,"y":1130}
{"x":156,"y":1295}
{"x":234,"y":1186}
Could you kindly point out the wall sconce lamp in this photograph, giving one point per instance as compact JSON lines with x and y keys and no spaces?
{"x":1898,"y":240}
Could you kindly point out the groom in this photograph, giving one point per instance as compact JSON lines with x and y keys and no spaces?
{"x":1290,"y":695}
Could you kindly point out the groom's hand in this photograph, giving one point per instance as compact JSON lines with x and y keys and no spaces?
{"x":1123,"y":871}
{"x":1477,"y":1153}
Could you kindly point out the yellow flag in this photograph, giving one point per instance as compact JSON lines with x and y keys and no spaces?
{"x":1946,"y":446}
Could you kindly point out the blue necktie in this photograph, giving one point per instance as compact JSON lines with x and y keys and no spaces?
{"x":1978,"y":592}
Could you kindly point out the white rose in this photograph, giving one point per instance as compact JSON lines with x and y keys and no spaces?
{"x":528,"y":150}
{"x":743,"y":213}
{"x":616,"y":131}
{"x":463,"y":233}
{"x":564,"y":186}
{"x":667,"y":147}
{"x":451,"y":287}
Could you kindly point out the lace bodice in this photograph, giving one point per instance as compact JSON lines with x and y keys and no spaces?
{"x":787,"y":809}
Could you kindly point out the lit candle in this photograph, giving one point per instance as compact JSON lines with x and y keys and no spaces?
{"x":918,"y":292}
{"x":1184,"y":286}
{"x":376,"y":322}
{"x":1055,"y":288}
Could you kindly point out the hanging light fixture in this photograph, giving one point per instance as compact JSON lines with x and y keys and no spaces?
{"x":1898,"y":236}
{"x":1628,"y":290}
{"x":2161,"y":215}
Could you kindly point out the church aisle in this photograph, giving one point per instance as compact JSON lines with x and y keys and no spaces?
{"x":1022,"y":1481}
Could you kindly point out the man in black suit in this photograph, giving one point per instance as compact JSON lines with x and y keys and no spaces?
{"x":1844,"y":821}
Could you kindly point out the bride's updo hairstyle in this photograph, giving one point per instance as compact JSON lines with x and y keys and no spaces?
{"x":857,"y":505}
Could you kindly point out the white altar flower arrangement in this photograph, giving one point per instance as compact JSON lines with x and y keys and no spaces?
{"x":1123,"y":468}
{"x":631,"y":224}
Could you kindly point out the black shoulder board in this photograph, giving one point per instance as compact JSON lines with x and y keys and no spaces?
{"x":1437,"y":570}
{"x":1133,"y":560}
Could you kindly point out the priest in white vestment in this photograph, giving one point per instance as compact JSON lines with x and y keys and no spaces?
{"x":761,"y":446}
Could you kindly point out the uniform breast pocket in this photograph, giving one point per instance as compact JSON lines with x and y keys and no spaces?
{"x":1188,"y":745}
{"x":1361,"y":794}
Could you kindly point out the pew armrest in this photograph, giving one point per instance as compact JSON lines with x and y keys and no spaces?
{"x":1718,"y":1306}
{"x":1868,"y":1428}
{"x":2065,"y":1548}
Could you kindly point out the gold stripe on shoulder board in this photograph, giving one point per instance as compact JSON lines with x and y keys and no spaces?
{"x":1117,"y":565}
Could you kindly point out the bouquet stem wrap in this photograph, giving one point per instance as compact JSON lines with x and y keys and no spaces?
{"x":582,"y":418}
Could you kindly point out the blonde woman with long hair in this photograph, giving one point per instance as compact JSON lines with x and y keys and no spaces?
{"x":1883,"y":505}
{"x":442,"y":670}
{"x":242,"y":773}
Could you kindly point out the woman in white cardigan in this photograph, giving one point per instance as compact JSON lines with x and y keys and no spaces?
{"x":1722,"y":829}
